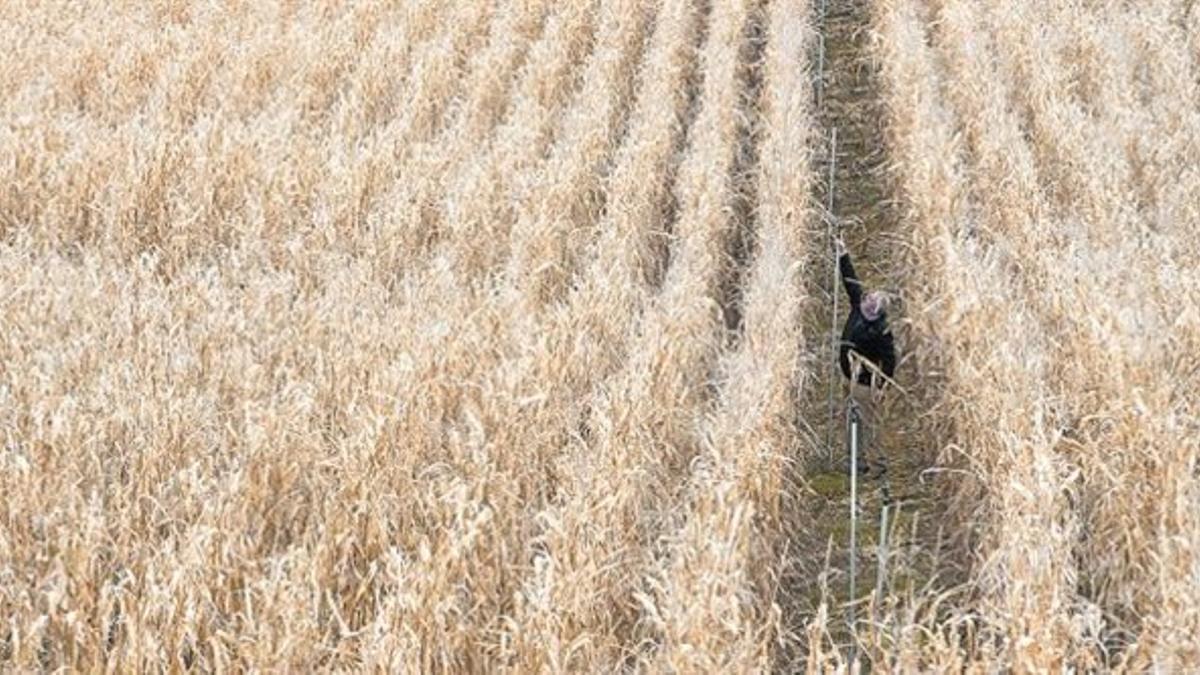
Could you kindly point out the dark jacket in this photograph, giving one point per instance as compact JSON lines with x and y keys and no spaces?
{"x":872,"y":340}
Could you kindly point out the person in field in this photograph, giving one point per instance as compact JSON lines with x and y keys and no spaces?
{"x":867,"y":333}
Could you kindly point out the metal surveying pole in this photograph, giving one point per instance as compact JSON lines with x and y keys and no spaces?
{"x":834,"y":232}
{"x":854,"y":419}
{"x":881,"y":569}
{"x":819,"y":83}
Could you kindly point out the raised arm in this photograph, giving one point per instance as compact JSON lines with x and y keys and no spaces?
{"x":850,"y":279}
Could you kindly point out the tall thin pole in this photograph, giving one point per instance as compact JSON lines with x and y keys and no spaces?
{"x":834,"y":232}
{"x":854,"y":420}
{"x":819,"y":84}
{"x":881,"y":570}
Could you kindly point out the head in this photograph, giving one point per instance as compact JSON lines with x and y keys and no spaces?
{"x":874,"y":304}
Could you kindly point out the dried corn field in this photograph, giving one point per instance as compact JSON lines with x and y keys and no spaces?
{"x":1047,"y":160}
{"x":452,"y":336}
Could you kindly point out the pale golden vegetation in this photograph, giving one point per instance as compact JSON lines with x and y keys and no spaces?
{"x":454,"y":336}
{"x":322,"y":326}
{"x":1044,"y":154}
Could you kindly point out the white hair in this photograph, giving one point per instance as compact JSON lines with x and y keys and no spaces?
{"x":874,"y":305}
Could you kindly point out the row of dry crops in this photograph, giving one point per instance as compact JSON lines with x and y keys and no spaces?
{"x":345,"y":334}
{"x":444,"y":335}
{"x":1048,"y":158}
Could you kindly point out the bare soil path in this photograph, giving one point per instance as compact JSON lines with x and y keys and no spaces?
{"x":899,"y":450}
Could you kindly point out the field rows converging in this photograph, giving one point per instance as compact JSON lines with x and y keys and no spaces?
{"x":454,"y":336}
{"x":1033,"y":149}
